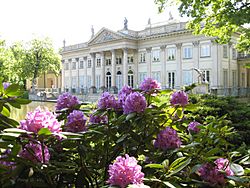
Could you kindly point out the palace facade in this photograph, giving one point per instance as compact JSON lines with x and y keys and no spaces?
{"x":167,"y":52}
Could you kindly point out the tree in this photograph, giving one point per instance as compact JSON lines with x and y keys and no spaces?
{"x":219,"y":18}
{"x":40,"y":58}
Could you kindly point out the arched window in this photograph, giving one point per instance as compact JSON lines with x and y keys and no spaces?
{"x":131,"y":78}
{"x":119,"y":80}
{"x":108,"y":80}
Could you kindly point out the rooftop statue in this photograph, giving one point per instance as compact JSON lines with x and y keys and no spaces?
{"x":125,"y":24}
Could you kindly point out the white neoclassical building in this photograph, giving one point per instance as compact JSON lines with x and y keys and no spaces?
{"x":166,"y":52}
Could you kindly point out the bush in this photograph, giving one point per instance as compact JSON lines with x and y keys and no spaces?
{"x":147,"y":137}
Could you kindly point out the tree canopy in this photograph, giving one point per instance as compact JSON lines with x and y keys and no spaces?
{"x":217,"y":18}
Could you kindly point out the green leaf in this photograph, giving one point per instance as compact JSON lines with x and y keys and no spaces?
{"x":23,"y":101}
{"x":130,"y":116}
{"x":15,"y":130}
{"x":159,"y":166}
{"x":178,"y":165}
{"x":12,"y":89}
{"x":237,"y":169}
{"x":15,"y":104}
{"x":44,"y":131}
{"x":5,"y":112}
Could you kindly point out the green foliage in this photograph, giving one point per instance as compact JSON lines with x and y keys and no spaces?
{"x":217,"y":18}
{"x":82,"y":159}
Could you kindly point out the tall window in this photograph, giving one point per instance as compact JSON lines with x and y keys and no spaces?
{"x":130,"y":59}
{"x":98,"y":81}
{"x":73,"y":65}
{"x":67,"y":82}
{"x":130,"y":78}
{"x":89,"y":63}
{"x":81,"y":81}
{"x":171,"y":80}
{"x":66,"y":66}
{"x":187,"y":52}
{"x":142,"y":76}
{"x":118,"y":60}
{"x":143,"y":57}
{"x":234,"y":78}
{"x":234,"y":55}
{"x":119,"y":80}
{"x":81,"y":65}
{"x":187,"y":77}
{"x":88,"y":81}
{"x":108,"y":62}
{"x":225,"y":55}
{"x":156,"y":76}
{"x":243,"y":75}
{"x":225,"y":78}
{"x":108,"y":80}
{"x":205,"y":50}
{"x":74,"y":84}
{"x":156,"y":55}
{"x":206,"y":76}
{"x":171,"y":54}
{"x":98,"y":62}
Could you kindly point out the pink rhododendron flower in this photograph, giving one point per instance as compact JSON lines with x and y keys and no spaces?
{"x":179,"y":98}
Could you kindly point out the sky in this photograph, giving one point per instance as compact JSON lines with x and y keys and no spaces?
{"x":71,"y":20}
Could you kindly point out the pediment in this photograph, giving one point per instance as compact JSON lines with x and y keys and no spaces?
{"x":105,"y":35}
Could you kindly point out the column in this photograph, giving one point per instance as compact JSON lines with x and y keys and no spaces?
{"x":215,"y":82}
{"x":196,"y":60}
{"x":178,"y":67}
{"x":103,"y":70}
{"x":77,"y":76}
{"x":135,"y":57}
{"x":85,"y":60}
{"x":148,"y":61}
{"x":93,"y":88}
{"x":113,"y":72}
{"x":125,"y":66}
{"x":70,"y":75}
{"x":63,"y":75}
{"x":163,"y":67}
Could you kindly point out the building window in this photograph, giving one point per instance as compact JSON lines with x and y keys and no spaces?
{"x":98,"y":81}
{"x":206,"y":76}
{"x":171,"y":54}
{"x":156,"y":76}
{"x":130,"y":78}
{"x":156,"y":55}
{"x":118,"y":60}
{"x":67,"y":82}
{"x":142,"y":57}
{"x":66,"y":66}
{"x":73,"y":65}
{"x":142,"y":76}
{"x":187,"y":77}
{"x":234,"y":54}
{"x":205,"y":50}
{"x":225,"y":55}
{"x":89,"y":63}
{"x":243,"y":79}
{"x":88,"y":81}
{"x":98,"y":62}
{"x":171,"y":80}
{"x":225,"y":78}
{"x":119,"y":80}
{"x":108,"y":80}
{"x":73,"y":80}
{"x":81,"y":81}
{"x":234,"y":78}
{"x":81,"y":65}
{"x":108,"y":62}
{"x":130,"y":59}
{"x":187,"y":52}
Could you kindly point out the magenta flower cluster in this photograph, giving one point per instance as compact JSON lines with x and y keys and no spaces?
{"x":149,"y":84}
{"x":135,"y":102}
{"x":192,"y":127}
{"x":167,"y":139}
{"x":179,"y":98}
{"x":125,"y":171}
{"x":122,"y":95}
{"x":33,"y":152}
{"x":212,"y":173}
{"x":6,"y":85}
{"x":39,"y":119}
{"x":106,"y":101}
{"x":96,"y":119}
{"x":66,"y":100}
{"x":76,"y":122}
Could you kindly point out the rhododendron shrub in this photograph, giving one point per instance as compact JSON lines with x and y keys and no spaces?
{"x":139,"y":138}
